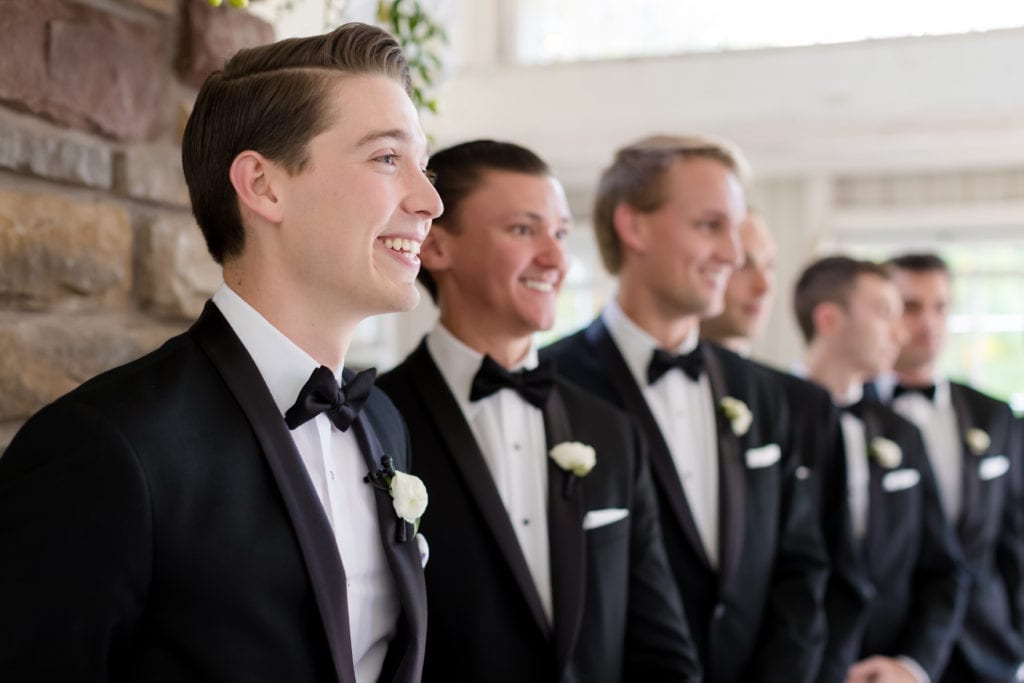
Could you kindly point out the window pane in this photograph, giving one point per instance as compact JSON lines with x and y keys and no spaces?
{"x":568,"y":30}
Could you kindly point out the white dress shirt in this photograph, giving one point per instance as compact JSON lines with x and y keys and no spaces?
{"x":938,"y":424}
{"x":510,"y":433}
{"x":336,"y":466}
{"x":685,"y":412}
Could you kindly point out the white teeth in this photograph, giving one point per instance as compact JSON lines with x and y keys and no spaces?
{"x":398,"y":244}
{"x":539,"y":285}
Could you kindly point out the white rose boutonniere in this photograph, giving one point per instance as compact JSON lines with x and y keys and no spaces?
{"x":738,"y":414}
{"x":575,"y":457}
{"x":410,"y":497}
{"x":977,"y":440}
{"x":886,"y":452}
{"x":408,"y":494}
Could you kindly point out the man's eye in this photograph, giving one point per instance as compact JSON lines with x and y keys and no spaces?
{"x":389,"y":159}
{"x":521,"y":229}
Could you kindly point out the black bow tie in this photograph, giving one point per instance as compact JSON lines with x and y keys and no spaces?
{"x":662,"y":361}
{"x":857,"y":409}
{"x":928,"y":391}
{"x":321,"y":394}
{"x":533,"y":385}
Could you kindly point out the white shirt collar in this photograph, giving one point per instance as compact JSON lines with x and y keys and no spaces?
{"x":635,"y":344}
{"x":285,"y":367}
{"x":459,"y":363}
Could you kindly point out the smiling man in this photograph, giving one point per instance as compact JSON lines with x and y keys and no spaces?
{"x":546,"y":556}
{"x":201,"y":513}
{"x":736,"y":510}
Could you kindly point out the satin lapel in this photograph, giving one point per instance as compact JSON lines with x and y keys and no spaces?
{"x":971,"y":478}
{"x":565,"y":536}
{"x":732,"y":499}
{"x":396,"y":535}
{"x":465,"y":452}
{"x":663,"y":468}
{"x":877,"y":532}
{"x":313,"y":531}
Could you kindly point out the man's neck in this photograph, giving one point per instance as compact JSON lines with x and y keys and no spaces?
{"x":831,"y":373}
{"x":324,"y":337}
{"x":920,"y":376}
{"x":507,"y":350}
{"x":738,"y":345}
{"x":668,"y":331}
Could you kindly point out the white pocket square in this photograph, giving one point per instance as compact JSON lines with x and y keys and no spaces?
{"x":993,"y":466}
{"x":898,"y":480}
{"x":763,"y":456}
{"x":424,"y":548}
{"x":598,"y":518}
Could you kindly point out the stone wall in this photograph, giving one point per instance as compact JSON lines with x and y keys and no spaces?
{"x":100,"y":260}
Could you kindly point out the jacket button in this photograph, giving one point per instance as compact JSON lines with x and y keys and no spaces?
{"x":719,"y":611}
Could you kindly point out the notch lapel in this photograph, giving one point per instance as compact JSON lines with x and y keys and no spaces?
{"x":316,"y":540}
{"x":565,"y":536}
{"x":463,"y":449}
{"x":663,"y":467}
{"x":732,"y":499}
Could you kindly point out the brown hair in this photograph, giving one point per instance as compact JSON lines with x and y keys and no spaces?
{"x":924,"y":262}
{"x":272,"y":99}
{"x":458,"y":171}
{"x":636,"y":177}
{"x":829,"y":279}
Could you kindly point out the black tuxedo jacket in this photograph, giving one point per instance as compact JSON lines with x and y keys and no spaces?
{"x":157,"y":524}
{"x":989,"y":647}
{"x":758,"y":616}
{"x":911,"y":589}
{"x":616,"y":614}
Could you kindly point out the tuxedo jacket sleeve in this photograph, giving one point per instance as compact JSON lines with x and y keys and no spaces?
{"x":157,"y":522}
{"x":617,"y":615}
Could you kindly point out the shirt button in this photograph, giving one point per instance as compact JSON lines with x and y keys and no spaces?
{"x":526,"y":522}
{"x":515,"y":446}
{"x":331,"y":473}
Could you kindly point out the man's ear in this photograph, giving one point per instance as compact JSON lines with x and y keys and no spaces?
{"x":252,"y":175}
{"x":827,"y":317}
{"x":436,"y":252}
{"x":629,"y":226}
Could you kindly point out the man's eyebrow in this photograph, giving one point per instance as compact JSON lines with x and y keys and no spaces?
{"x":375,"y":135}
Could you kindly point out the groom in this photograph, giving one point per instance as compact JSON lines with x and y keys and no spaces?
{"x":546,"y":556}
{"x":201,"y":513}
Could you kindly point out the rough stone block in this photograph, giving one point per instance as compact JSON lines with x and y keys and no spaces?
{"x":210,"y":35}
{"x":54,"y":249}
{"x":152,"y":173}
{"x":55,"y":157}
{"x":176,"y":274}
{"x":47,"y":355}
{"x":82,"y":67}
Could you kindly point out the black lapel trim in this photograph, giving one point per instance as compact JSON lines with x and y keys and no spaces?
{"x":970,"y":476}
{"x":316,"y":540}
{"x":732,"y":486}
{"x":463,"y":449}
{"x":397,"y":537}
{"x":876,"y":532}
{"x":663,"y":467}
{"x":565,"y":536}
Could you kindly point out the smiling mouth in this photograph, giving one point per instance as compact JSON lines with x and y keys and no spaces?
{"x":539,"y":285}
{"x":402,"y":246}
